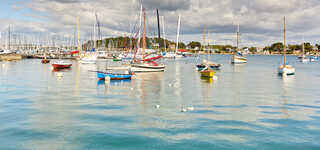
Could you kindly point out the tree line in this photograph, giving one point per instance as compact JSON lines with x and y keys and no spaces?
{"x":130,"y":43}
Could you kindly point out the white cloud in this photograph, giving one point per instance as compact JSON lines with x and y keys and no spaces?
{"x":261,"y":20}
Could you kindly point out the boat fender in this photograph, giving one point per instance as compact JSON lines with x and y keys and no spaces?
{"x":215,"y":78}
{"x":133,"y":77}
{"x":107,"y":79}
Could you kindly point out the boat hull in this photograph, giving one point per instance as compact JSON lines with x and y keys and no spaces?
{"x":238,"y":59}
{"x":287,"y":70}
{"x":61,"y":66}
{"x":207,"y":73}
{"x":147,"y":68}
{"x":113,"y":76}
{"x":86,"y":62}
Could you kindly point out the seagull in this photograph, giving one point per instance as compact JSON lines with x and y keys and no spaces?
{"x":157,"y":106}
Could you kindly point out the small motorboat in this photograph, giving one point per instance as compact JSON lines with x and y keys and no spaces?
{"x":114,"y":76}
{"x":45,"y":61}
{"x":303,"y":58}
{"x":117,"y":59}
{"x":61,"y":65}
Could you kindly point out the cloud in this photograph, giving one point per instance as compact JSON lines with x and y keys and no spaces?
{"x":260,"y":20}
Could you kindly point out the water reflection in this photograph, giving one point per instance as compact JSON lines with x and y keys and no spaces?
{"x":287,"y":83}
{"x":238,"y":67}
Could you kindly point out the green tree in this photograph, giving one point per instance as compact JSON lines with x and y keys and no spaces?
{"x":253,"y":49}
{"x":194,"y":44}
{"x":277,"y":46}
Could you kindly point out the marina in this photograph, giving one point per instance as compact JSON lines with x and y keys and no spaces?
{"x":159,"y":75}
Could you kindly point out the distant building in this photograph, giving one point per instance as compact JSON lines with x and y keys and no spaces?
{"x":172,"y":46}
{"x":259,"y":49}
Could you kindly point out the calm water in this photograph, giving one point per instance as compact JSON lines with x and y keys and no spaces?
{"x":248,"y":107}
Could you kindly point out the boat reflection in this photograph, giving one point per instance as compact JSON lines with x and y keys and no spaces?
{"x":287,"y":83}
{"x":62,"y":70}
{"x":207,"y":79}
{"x":114,"y":82}
{"x":238,"y":67}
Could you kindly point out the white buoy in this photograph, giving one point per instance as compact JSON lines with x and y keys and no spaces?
{"x":107,"y":79}
{"x":190,"y":108}
{"x":157,"y":106}
{"x":215,"y":78}
{"x":170,"y":85}
{"x":131,"y":89}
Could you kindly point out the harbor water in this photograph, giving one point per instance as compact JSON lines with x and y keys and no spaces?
{"x":247,"y":107}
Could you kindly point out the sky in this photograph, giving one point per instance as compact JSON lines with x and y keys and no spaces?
{"x":261,"y":21}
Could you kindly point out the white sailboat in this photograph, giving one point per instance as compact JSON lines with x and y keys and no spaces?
{"x":237,"y":57}
{"x":90,"y":57}
{"x":176,"y":54}
{"x":303,"y":57}
{"x":285,"y":69}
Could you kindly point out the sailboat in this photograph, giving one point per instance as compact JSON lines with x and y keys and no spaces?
{"x":146,"y":64}
{"x":237,"y":56}
{"x":176,"y":53}
{"x":285,"y":69}
{"x":303,"y":57}
{"x":90,"y":57}
{"x":205,"y":62}
{"x":7,"y":50}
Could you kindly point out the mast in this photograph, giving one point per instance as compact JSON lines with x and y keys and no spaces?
{"x":208,"y":47}
{"x":238,"y":36}
{"x":94,"y":36}
{"x":303,"y":47}
{"x":164,"y":35}
{"x":144,"y":33}
{"x":204,"y":37}
{"x":9,"y":34}
{"x":79,"y":44}
{"x":284,"y":42}
{"x":178,"y":32}
{"x":139,"y":34}
{"x":159,"y":36}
